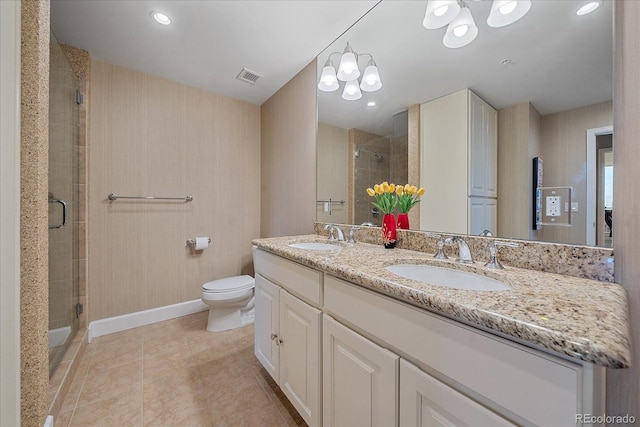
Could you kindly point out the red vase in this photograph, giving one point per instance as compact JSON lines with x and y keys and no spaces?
{"x":389,"y":231}
{"x":403,"y":221}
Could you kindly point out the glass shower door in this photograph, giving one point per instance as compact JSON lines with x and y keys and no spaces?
{"x":63,"y":204}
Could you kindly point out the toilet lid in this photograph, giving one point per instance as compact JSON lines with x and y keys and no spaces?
{"x":228,"y":284}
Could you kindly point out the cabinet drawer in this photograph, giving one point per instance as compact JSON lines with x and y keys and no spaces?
{"x":300,"y":280}
{"x":533,"y":387}
{"x":425,"y":401}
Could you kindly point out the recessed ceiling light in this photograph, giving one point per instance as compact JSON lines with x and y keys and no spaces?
{"x":588,"y":8}
{"x":161,"y":18}
{"x":371,"y":104}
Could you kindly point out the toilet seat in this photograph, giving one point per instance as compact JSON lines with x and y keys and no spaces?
{"x":229,"y":284}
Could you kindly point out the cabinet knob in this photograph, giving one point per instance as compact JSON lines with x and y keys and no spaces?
{"x":274,"y":336}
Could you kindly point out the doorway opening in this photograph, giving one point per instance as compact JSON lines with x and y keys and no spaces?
{"x":600,"y":186}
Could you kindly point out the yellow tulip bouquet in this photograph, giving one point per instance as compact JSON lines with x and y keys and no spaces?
{"x":385,"y":195}
{"x":408,"y":197}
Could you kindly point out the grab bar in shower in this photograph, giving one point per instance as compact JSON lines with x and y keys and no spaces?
{"x":114,"y":196}
{"x":64,"y":213}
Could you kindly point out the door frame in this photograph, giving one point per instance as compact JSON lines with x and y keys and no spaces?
{"x":592,"y":188}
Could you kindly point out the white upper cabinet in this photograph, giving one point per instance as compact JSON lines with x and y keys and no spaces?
{"x":483,"y":148}
{"x":459,"y":160}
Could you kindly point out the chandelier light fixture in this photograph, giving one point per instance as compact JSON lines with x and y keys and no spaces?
{"x":349,"y":72}
{"x":461,"y":28}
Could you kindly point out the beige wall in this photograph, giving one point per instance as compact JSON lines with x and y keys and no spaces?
{"x":518,"y":144}
{"x":288,"y":174}
{"x":563,"y":151}
{"x":623,"y":386}
{"x":10,"y":217}
{"x":332,"y":173}
{"x":560,"y":140}
{"x":153,"y":137}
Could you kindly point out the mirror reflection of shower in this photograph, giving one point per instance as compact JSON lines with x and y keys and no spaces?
{"x":376,"y":159}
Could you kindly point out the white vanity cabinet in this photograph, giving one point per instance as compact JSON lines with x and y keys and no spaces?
{"x":480,"y":373}
{"x":347,"y":356}
{"x":427,"y":402}
{"x":458,"y":163}
{"x":359,"y":379}
{"x":288,"y":331}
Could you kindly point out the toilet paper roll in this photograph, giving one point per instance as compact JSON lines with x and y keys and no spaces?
{"x":201,"y":243}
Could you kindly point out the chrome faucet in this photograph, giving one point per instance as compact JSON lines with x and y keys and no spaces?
{"x":333,"y":228}
{"x":464,"y":254}
{"x":494,"y":262}
{"x":440,"y":254}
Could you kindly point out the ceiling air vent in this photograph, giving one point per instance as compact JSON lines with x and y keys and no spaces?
{"x":248,"y":76}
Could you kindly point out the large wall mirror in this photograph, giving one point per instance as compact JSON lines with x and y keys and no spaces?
{"x":548,"y":75}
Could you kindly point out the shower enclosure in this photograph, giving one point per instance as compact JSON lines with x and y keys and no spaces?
{"x":63,"y":205}
{"x":378,"y":159}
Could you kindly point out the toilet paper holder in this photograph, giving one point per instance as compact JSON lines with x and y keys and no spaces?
{"x":192,"y":242}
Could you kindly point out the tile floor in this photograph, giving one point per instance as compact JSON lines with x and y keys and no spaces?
{"x":175,"y":373}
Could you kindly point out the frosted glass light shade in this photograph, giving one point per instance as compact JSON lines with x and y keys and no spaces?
{"x":351,"y":91}
{"x":505,"y":12}
{"x":348,"y":69}
{"x":328,"y":80}
{"x":440,"y":13}
{"x":461,"y":31}
{"x":371,"y":78}
{"x":589,"y":7}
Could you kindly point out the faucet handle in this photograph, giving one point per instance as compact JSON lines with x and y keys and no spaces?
{"x":493,"y":253}
{"x":440,"y":254}
{"x":331,"y":229}
{"x":352,"y":232}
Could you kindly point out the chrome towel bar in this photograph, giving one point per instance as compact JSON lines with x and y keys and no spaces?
{"x":114,"y":196}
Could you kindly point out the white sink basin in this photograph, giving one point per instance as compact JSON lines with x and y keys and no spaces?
{"x":314,"y":246}
{"x":447,"y":277}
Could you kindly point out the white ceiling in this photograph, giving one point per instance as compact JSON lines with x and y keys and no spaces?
{"x":559,"y":60}
{"x":209,"y":42}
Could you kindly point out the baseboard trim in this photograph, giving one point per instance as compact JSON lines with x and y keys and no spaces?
{"x":58,"y":336}
{"x":111,"y":325}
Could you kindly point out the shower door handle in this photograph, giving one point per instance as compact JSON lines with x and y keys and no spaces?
{"x":64,"y":213}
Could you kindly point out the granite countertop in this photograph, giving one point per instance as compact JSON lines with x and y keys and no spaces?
{"x":580,"y":318}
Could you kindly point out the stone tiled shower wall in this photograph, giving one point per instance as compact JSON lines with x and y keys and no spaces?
{"x":372,"y":165}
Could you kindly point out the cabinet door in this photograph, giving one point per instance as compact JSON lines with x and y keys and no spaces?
{"x":483,"y":148}
{"x":483,"y":215}
{"x":300,"y":370}
{"x":427,"y":402}
{"x":359,"y":379}
{"x":477,"y":146}
{"x":491,"y":157}
{"x":267,"y":325}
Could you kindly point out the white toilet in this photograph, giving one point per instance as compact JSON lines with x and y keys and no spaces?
{"x":231,"y":302}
